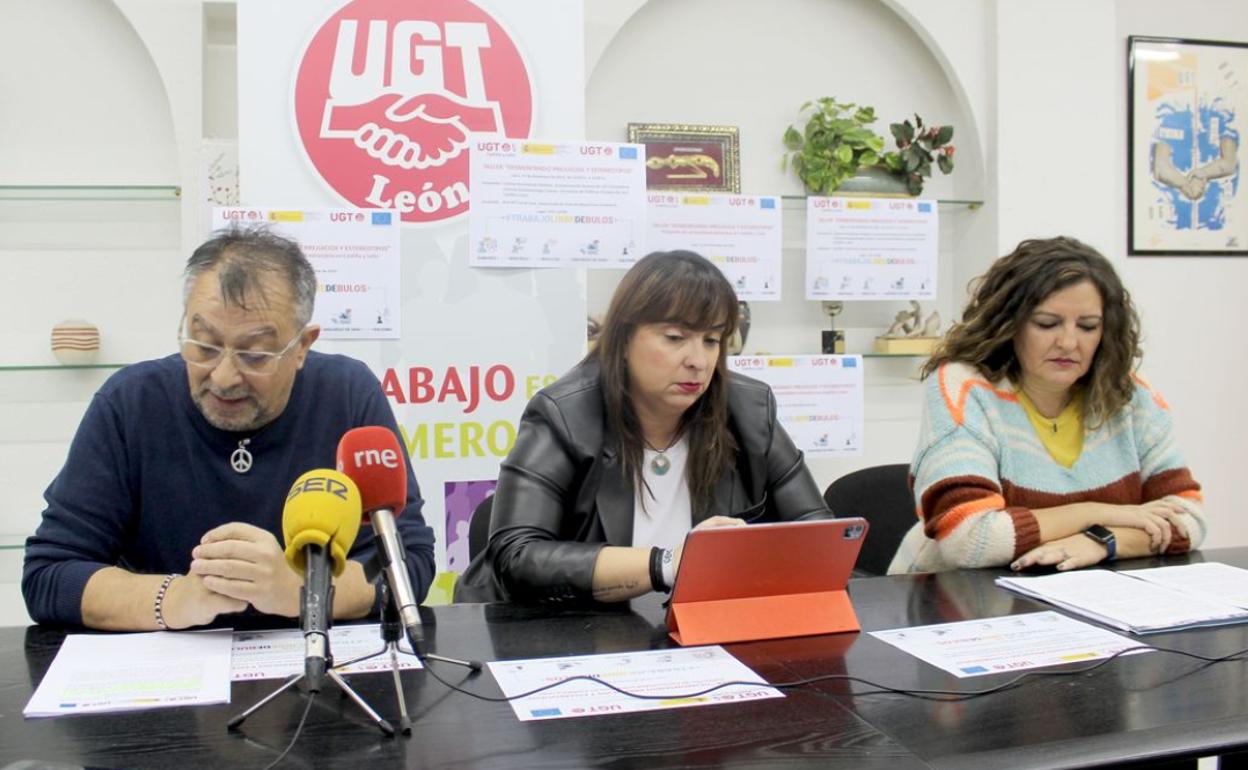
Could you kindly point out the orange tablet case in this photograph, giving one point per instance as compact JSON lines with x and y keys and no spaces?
{"x":765,"y":581}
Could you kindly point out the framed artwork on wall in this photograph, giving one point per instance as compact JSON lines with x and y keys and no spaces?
{"x":1187,"y":103}
{"x":681,"y":156}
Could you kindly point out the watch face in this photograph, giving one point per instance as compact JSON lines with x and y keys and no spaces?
{"x":1099,"y":533}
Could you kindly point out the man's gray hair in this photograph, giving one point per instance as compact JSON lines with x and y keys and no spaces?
{"x":241,"y":256}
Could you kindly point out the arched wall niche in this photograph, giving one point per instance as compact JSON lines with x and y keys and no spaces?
{"x":87,"y":106}
{"x":751,"y":65}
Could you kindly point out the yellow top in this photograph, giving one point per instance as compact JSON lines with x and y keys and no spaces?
{"x":1062,"y":436}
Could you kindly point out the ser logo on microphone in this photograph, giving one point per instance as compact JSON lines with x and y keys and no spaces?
{"x":319,"y":484}
{"x":384,"y":457}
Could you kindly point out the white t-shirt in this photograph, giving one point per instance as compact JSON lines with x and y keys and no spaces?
{"x":666,"y":517}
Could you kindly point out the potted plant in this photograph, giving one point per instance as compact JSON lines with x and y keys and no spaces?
{"x":917,"y":146}
{"x":833,"y":145}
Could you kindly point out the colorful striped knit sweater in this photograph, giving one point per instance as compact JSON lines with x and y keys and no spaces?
{"x":980,"y":469}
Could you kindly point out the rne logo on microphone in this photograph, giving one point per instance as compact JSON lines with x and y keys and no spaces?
{"x":384,"y":104}
{"x":319,"y":484}
{"x":385,"y":457}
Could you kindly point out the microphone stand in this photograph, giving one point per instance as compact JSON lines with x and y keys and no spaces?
{"x":385,"y":727}
{"x":393,"y":625}
{"x":391,"y":560}
{"x":391,"y":633}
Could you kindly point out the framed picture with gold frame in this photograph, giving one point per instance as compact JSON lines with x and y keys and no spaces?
{"x":681,"y":156}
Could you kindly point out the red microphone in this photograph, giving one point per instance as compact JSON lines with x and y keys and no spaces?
{"x":373,"y":458}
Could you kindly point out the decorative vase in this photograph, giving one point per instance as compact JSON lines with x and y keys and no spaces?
{"x":876,"y":182}
{"x":75,"y":341}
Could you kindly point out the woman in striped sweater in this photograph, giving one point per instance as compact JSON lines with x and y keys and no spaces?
{"x":1040,"y":445}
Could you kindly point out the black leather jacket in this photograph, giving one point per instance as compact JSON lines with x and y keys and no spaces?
{"x":562,"y":495}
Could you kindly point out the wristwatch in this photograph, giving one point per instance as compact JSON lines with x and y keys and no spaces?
{"x":1105,"y":537}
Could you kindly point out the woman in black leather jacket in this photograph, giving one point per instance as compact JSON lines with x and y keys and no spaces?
{"x":646,"y":438}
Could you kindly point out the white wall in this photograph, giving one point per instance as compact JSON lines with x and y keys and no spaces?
{"x":1189,"y":305}
{"x":1036,"y":90}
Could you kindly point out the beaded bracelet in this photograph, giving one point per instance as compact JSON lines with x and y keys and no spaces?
{"x":160,"y":600}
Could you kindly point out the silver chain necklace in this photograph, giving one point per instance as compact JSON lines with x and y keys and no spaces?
{"x":240,"y":459}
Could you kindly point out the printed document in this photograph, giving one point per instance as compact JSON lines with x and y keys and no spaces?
{"x":675,"y":673}
{"x":96,"y":673}
{"x":1010,"y":643}
{"x":279,"y":654}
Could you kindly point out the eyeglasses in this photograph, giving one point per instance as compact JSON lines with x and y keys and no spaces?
{"x":205,"y":356}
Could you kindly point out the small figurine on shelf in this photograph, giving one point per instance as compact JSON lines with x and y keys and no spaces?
{"x":833,"y":338}
{"x":910,"y":334}
{"x":904,"y":322}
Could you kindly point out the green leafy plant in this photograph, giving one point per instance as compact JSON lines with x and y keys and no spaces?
{"x":834,"y":143}
{"x":917,"y":147}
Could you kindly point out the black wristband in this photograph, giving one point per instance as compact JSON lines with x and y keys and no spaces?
{"x":656,"y":570}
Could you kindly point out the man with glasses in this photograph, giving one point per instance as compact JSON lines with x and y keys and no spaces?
{"x":168,"y":512}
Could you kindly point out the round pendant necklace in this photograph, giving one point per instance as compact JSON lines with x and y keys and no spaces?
{"x":660,"y":463}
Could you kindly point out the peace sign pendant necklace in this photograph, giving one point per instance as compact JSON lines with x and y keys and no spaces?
{"x":240,"y":459}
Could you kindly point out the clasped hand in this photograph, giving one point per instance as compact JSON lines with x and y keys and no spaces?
{"x":246,"y":564}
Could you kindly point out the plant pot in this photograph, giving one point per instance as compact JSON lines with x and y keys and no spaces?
{"x":875,"y":182}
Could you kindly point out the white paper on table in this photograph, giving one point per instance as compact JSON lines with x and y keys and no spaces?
{"x":560,"y":204}
{"x":1125,"y":602}
{"x":355,"y":253}
{"x":280,"y":654}
{"x":1211,"y":580}
{"x":1011,"y":643}
{"x":97,"y":673}
{"x":871,"y":248}
{"x":653,"y":672}
{"x":739,"y":233}
{"x":819,"y":399}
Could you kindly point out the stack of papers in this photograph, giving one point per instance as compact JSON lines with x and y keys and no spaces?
{"x":1146,"y":600}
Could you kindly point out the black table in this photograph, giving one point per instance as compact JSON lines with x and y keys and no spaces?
{"x":1143,"y":707}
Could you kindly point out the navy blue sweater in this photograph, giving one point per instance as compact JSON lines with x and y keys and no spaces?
{"x":147,"y":476}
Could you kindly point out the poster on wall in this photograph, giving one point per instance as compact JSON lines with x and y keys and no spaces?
{"x":565,"y":204}
{"x":463,"y":499}
{"x":819,"y":399}
{"x":1187,"y":104}
{"x":356,"y":258}
{"x":739,"y":233}
{"x":871,"y":248}
{"x":368,"y":104}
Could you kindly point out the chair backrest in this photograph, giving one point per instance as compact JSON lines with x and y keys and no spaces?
{"x":881,"y":495}
{"x":479,"y":527}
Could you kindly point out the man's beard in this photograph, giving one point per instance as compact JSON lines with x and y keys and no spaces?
{"x":250,"y":417}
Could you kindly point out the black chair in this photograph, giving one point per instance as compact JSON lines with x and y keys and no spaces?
{"x":479,"y":527}
{"x":882,"y":496}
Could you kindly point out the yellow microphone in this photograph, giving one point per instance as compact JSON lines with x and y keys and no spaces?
{"x":320,"y":521}
{"x":323,"y":509}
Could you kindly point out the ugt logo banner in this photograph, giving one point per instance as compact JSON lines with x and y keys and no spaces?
{"x":387,"y":93}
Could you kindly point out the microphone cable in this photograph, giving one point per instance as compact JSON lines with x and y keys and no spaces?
{"x":925,"y":694}
{"x":295,"y":737}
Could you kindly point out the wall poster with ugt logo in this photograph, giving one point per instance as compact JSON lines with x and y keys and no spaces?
{"x":386,"y":95}
{"x":364,"y":104}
